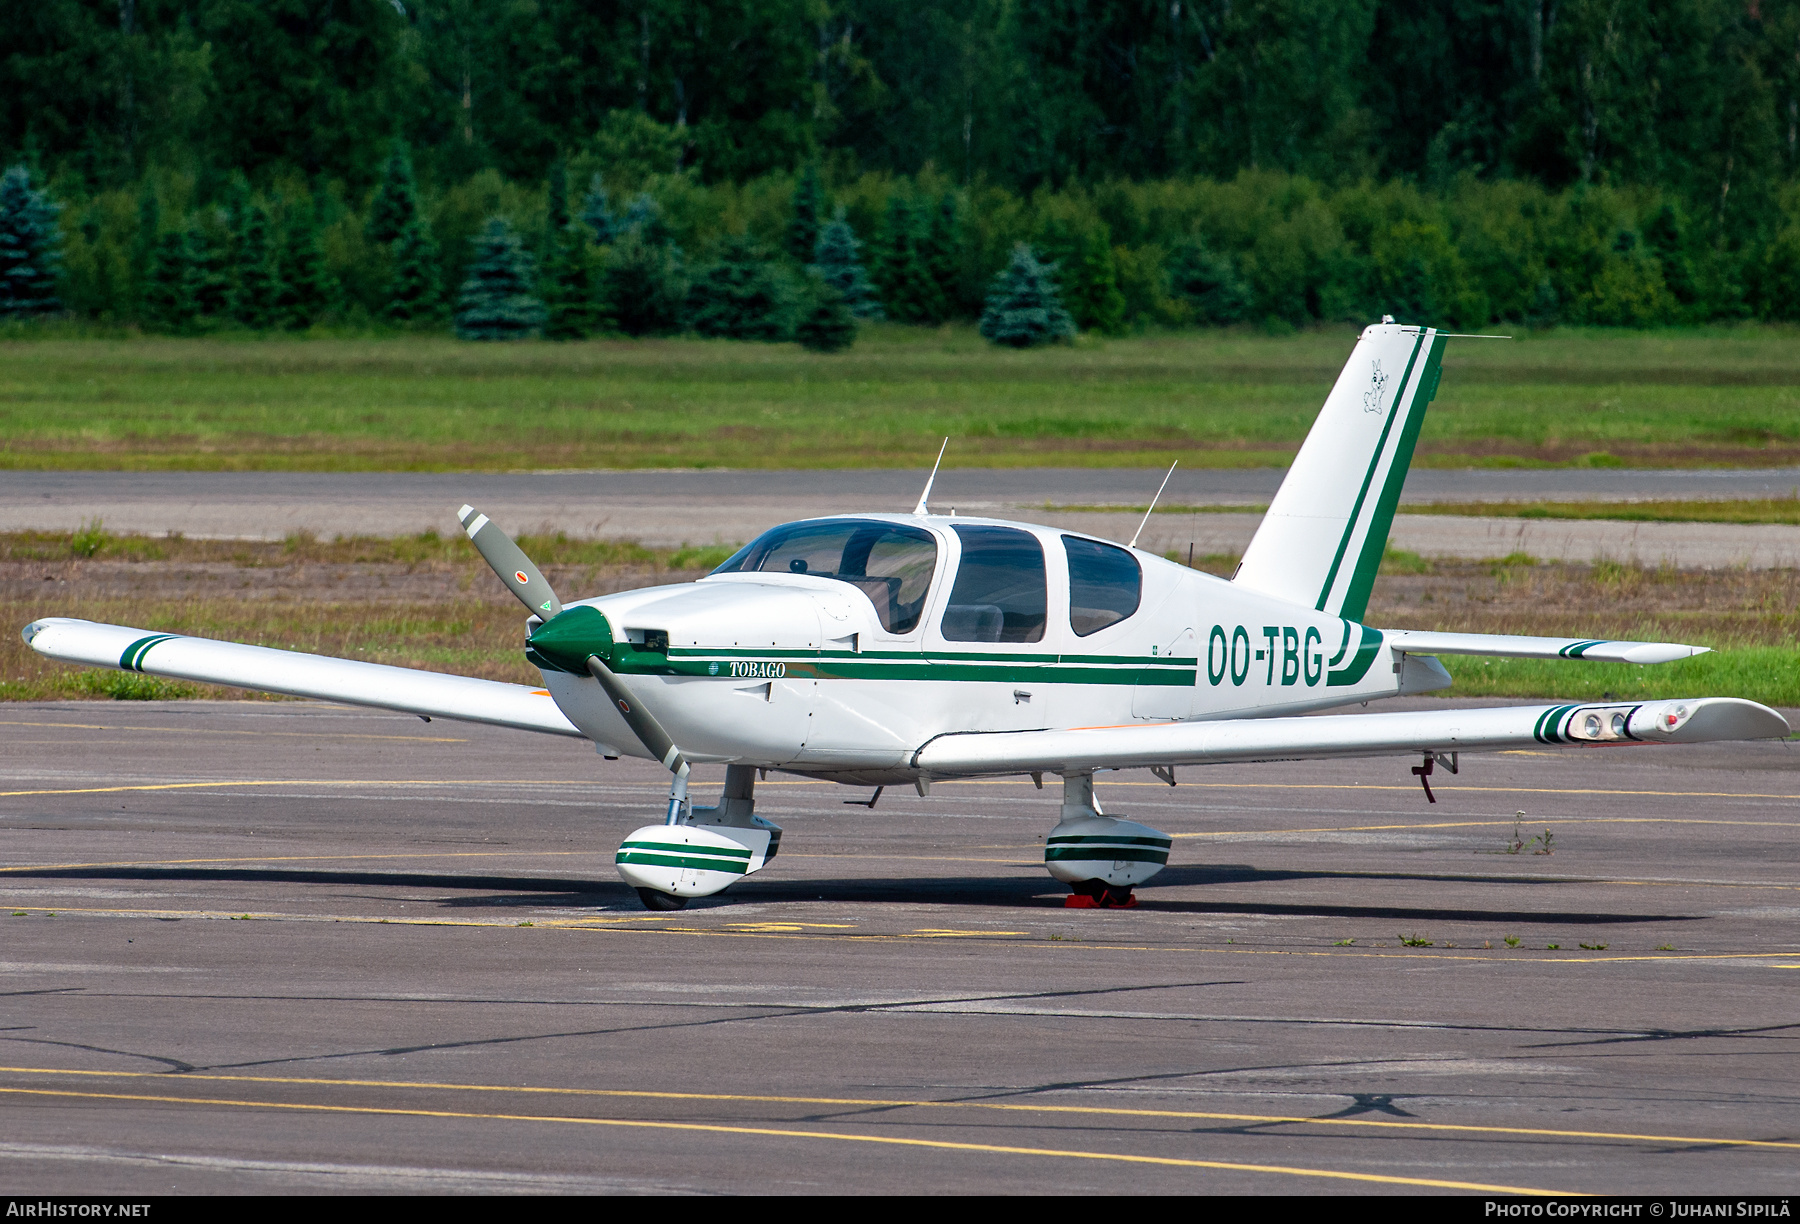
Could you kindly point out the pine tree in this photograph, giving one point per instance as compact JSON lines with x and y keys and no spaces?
{"x":412,"y":292}
{"x":907,"y":290}
{"x":570,"y":309}
{"x":209,"y":276}
{"x":738,"y":297}
{"x":1023,"y":309}
{"x":1208,"y":283}
{"x":837,"y":259}
{"x":940,"y":251}
{"x":253,"y":300}
{"x":307,"y":289}
{"x":803,"y":223}
{"x":596,"y":213}
{"x":827,"y":326}
{"x":396,"y":203}
{"x":497,"y":302}
{"x":643,"y":217}
{"x":143,"y":247}
{"x":642,"y":287}
{"x":30,"y":249}
{"x":167,"y":304}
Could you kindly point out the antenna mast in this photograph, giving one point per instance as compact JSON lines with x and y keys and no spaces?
{"x":1151,"y":509}
{"x":924,"y":497}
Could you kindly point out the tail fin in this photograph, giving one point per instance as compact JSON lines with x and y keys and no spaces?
{"x":1326,"y":530}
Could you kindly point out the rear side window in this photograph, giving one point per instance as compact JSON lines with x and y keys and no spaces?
{"x":999,"y":594}
{"x":1106,"y":584}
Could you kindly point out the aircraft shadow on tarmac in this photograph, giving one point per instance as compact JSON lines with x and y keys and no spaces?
{"x":986,"y":891}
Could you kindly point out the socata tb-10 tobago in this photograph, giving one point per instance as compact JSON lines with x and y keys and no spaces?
{"x":885,"y":649}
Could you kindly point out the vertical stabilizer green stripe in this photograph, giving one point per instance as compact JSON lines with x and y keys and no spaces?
{"x":1368,"y":479}
{"x":1362,"y":582}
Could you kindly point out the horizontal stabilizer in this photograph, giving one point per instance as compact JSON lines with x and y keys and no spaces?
{"x":1700,"y":720}
{"x":1500,"y":645}
{"x":205,"y":661}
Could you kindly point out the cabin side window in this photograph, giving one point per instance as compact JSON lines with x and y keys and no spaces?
{"x":1000,"y":594}
{"x":1106,"y":584}
{"x":890,"y":563}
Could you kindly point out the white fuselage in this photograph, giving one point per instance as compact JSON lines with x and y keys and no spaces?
{"x":795,"y":671}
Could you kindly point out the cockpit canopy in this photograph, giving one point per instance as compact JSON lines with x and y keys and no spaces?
{"x":1000,"y":593}
{"x":890,"y":563}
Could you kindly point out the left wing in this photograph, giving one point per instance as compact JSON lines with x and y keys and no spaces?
{"x":1699,"y":720}
{"x":1500,"y":645}
{"x":433,"y":694}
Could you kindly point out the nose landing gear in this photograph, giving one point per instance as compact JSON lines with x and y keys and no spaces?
{"x":700,"y":850}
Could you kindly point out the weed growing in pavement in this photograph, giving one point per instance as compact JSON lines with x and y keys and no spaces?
{"x":1511,"y":941}
{"x":1413,"y":941}
{"x":1553,"y":947}
{"x":1665,"y":947}
{"x":1343,"y":943}
{"x":1594,"y":947}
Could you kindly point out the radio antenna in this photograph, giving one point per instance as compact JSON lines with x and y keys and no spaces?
{"x":924,"y":497}
{"x":1151,"y":508}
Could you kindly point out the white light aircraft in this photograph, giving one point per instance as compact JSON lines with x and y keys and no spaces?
{"x":905,"y":649}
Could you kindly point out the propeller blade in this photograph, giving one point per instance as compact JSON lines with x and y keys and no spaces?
{"x":642,"y":722}
{"x":510,"y":562}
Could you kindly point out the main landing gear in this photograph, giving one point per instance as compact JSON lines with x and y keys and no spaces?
{"x":1101,"y":858}
{"x":699,"y":850}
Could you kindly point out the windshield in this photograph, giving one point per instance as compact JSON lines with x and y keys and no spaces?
{"x":889,"y":563}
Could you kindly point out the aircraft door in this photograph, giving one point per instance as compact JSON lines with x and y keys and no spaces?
{"x":990,"y":663}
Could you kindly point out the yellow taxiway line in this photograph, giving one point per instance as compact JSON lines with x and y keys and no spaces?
{"x":785,"y":1133}
{"x":1532,"y":1132}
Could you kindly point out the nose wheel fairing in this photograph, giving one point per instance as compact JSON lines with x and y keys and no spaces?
{"x":700,"y":850}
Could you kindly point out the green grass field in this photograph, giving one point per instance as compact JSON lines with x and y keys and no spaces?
{"x":1726,"y":396}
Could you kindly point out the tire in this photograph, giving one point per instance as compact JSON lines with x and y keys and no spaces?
{"x":654,"y":900}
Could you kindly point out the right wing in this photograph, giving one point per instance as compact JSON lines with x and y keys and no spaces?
{"x":1413,"y":732}
{"x":431,"y":694}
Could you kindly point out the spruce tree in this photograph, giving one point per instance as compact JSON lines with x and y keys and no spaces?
{"x":1664,"y":238}
{"x":570,"y":310}
{"x":803,"y":223}
{"x":827,"y":326}
{"x":30,"y":249}
{"x":642,"y":287}
{"x":940,"y":250}
{"x":209,"y":276}
{"x":838,"y":260}
{"x":1208,"y":283}
{"x":738,"y":297}
{"x":307,"y":289}
{"x":1023,"y":308}
{"x":497,"y":302}
{"x":143,"y":247}
{"x":253,"y":300}
{"x":556,"y":207}
{"x":397,"y":202}
{"x":596,"y":213}
{"x":907,"y":290}
{"x":167,"y":303}
{"x":643,"y":217}
{"x":412,"y":291}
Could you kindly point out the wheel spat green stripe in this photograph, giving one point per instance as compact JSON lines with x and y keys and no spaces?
{"x":1101,"y":854}
{"x":641,"y":858}
{"x":684,"y":848}
{"x":1164,"y":842}
{"x":133,"y":658}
